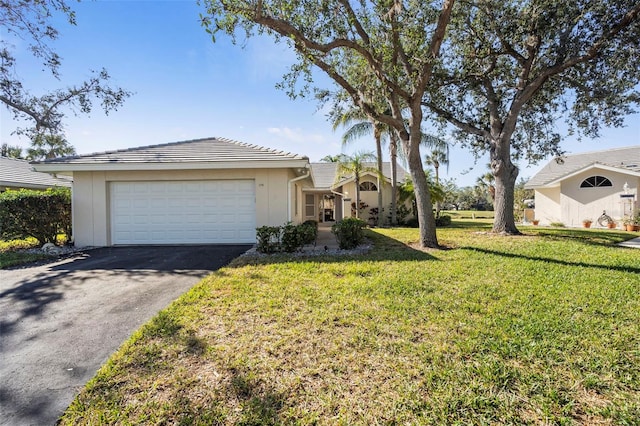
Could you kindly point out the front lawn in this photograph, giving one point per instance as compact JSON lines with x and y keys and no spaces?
{"x":536,"y":329}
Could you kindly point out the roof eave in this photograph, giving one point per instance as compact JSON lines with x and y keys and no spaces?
{"x":130,"y":166}
{"x":558,"y":181}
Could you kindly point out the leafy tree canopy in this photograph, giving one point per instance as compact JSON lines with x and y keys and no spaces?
{"x":511,"y":69}
{"x":30,"y":21}
{"x":371,"y":50}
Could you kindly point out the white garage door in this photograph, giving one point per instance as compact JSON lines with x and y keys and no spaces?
{"x":183,"y":212}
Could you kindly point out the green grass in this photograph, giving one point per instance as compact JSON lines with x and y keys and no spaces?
{"x":468,"y":214}
{"x":536,"y":329}
{"x":11,"y":253}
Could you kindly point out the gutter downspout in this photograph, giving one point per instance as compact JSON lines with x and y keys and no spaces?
{"x":289,"y":191}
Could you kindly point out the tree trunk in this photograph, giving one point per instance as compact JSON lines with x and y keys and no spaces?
{"x":436,"y":166}
{"x":378,"y":137}
{"x":393,"y":149}
{"x":426,"y":219}
{"x":505,"y":173}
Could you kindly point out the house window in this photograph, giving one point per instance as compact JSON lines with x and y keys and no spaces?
{"x":595,"y":182}
{"x":368,"y":186}
{"x":310,"y":205}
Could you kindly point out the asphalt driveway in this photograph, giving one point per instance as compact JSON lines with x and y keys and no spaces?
{"x":60,"y":322}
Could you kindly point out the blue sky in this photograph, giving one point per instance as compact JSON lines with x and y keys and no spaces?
{"x":187,"y":87}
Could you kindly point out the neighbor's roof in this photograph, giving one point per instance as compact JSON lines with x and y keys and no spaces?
{"x":626,"y":160}
{"x":16,"y":173}
{"x":324,"y":174}
{"x":192,"y":154}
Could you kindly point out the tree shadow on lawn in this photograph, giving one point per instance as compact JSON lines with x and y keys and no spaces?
{"x":382,"y":248}
{"x":634,"y":270}
{"x":601,"y":238}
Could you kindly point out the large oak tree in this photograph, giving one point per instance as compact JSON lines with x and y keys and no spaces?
{"x":511,"y":69}
{"x":371,"y":50}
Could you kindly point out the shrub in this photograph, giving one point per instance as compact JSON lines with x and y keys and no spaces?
{"x":38,"y":214}
{"x":288,"y":237}
{"x":268,"y":239}
{"x":291,"y":239}
{"x":309,"y":231}
{"x":444,"y":220}
{"x":349,"y":233}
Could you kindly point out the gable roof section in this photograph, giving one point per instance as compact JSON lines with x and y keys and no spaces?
{"x":623,"y":160}
{"x":324,"y":174}
{"x":209,"y":153}
{"x":16,"y":173}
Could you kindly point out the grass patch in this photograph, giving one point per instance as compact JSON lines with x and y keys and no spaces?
{"x":536,"y":329}
{"x":468,"y":214}
{"x":12,"y":254}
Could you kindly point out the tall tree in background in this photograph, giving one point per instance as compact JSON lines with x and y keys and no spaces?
{"x":331,"y":158}
{"x":31,"y":21}
{"x":371,"y":50}
{"x":359,"y":125}
{"x":10,"y":151}
{"x":511,"y":69}
{"x":46,"y":146}
{"x":355,"y":165}
{"x":437,"y":156}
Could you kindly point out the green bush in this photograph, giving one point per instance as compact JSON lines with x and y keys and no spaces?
{"x":349,"y":232}
{"x":268,"y":239}
{"x":444,"y":220}
{"x":291,"y":239}
{"x":309,"y":231}
{"x":38,"y":214}
{"x":288,"y":237}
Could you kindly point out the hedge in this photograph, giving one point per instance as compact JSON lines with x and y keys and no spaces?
{"x":39,"y":214}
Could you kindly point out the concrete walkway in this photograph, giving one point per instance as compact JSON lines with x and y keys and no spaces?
{"x":326,"y":240}
{"x":633,"y":243}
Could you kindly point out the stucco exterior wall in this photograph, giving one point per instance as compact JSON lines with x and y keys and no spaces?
{"x":369,"y":197}
{"x":570,"y":204}
{"x":548,"y":205}
{"x":91,"y":222}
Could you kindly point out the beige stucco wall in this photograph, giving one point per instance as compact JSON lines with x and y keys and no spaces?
{"x":91,"y":223}
{"x":548,"y":205}
{"x":368,"y":197}
{"x":570,"y":204}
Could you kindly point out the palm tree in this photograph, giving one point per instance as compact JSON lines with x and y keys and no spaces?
{"x":354,"y":165}
{"x":331,"y":158}
{"x":359,"y":126}
{"x":486,"y":184}
{"x":439,"y":156}
{"x":407,"y":192}
{"x":45,"y":146}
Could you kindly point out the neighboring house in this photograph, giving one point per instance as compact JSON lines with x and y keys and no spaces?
{"x":17,"y":174}
{"x":582,"y":186}
{"x":197,"y":192}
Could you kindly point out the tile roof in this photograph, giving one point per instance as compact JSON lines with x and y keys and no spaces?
{"x":324,"y":174}
{"x":626,"y":159}
{"x":208,"y":150}
{"x":16,"y":173}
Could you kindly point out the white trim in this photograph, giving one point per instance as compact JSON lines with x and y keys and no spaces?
{"x":556,"y":182}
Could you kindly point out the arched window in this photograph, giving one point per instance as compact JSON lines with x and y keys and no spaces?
{"x":595,"y":182}
{"x":368,"y":186}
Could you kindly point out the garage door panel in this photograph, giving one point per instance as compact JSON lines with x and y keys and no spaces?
{"x":193,"y":212}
